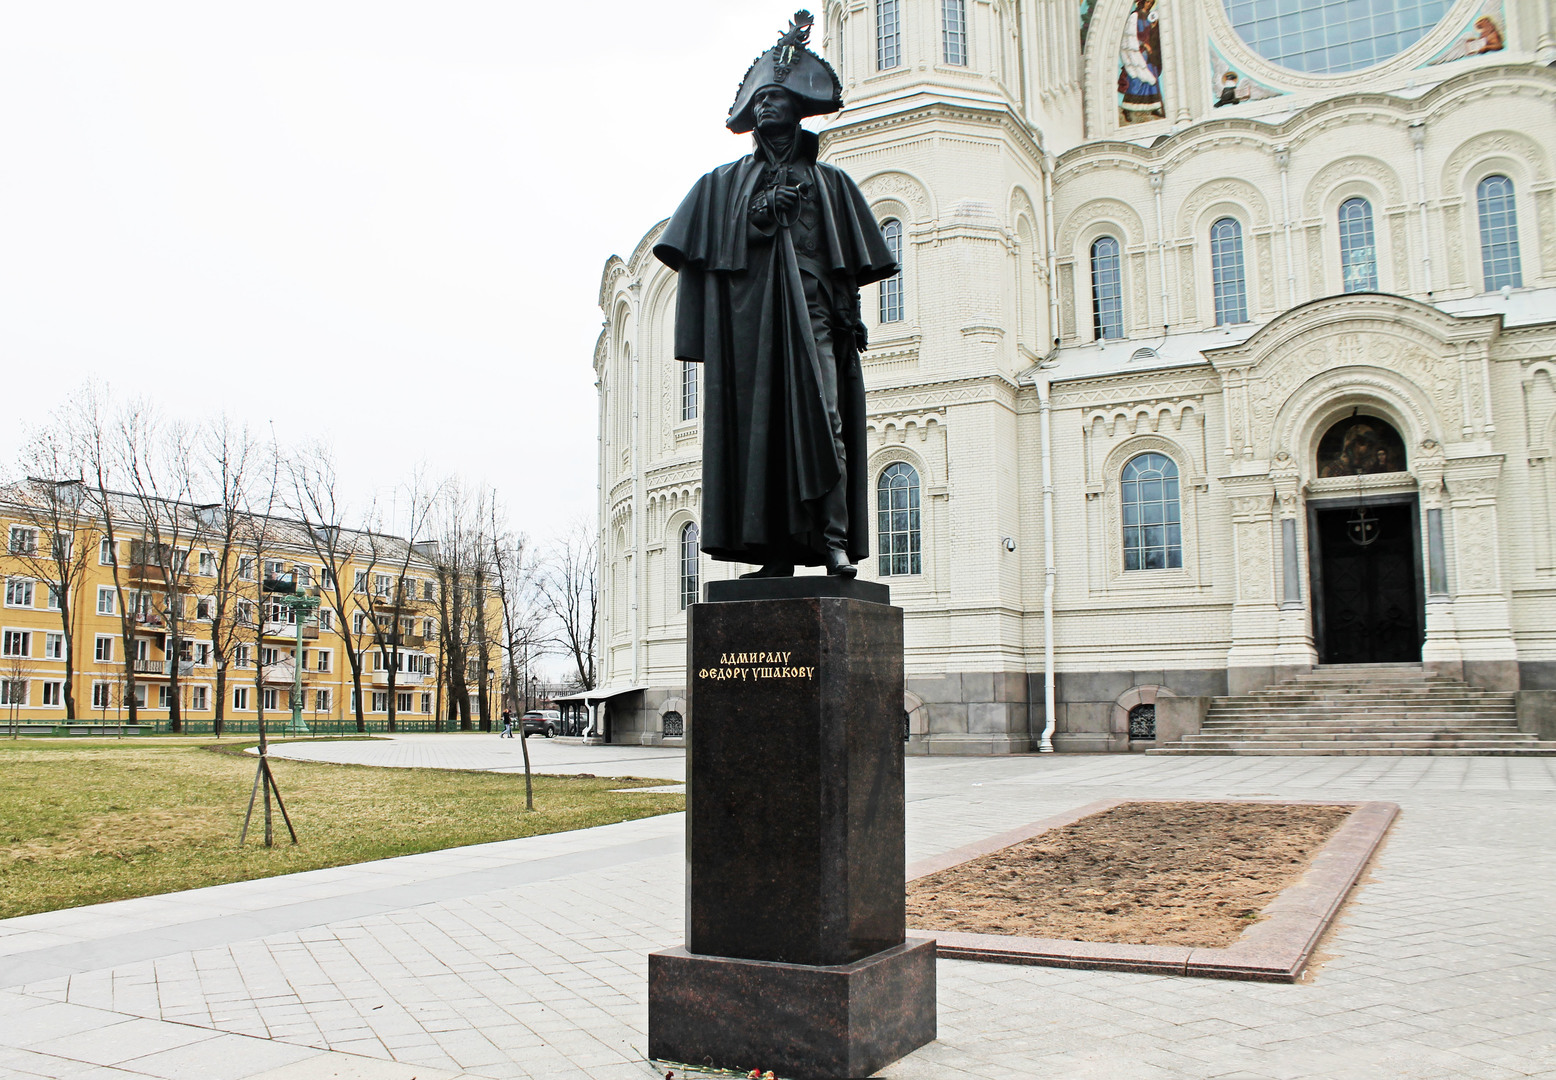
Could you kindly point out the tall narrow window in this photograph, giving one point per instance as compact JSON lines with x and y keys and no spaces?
{"x":1226,"y":272}
{"x":953,"y":31}
{"x":891,"y":288}
{"x":888,"y":35}
{"x":689,"y":567}
{"x":1358,"y":254}
{"x":1107,"y":289}
{"x":1153,"y":534}
{"x":688,"y":391}
{"x":1499,"y":233}
{"x":897,"y":517}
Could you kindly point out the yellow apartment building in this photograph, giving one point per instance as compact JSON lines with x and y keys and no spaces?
{"x":173,"y":606}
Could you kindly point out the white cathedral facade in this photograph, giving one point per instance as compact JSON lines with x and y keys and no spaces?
{"x":1224,"y":346}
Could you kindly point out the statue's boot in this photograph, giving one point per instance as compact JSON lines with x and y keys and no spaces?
{"x":838,"y":564}
{"x":772,"y":570}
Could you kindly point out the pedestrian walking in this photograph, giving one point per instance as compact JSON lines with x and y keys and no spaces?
{"x":507,"y":724}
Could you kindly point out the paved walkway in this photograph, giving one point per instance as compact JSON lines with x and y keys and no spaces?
{"x":526,"y":958}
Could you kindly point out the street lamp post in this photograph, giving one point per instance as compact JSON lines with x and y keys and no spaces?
{"x":301,"y":605}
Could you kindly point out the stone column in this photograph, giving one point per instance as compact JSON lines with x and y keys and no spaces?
{"x":1482,"y":614}
{"x":1255,"y":658}
{"x":1294,"y":628}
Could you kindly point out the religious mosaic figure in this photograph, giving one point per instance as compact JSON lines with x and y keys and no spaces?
{"x":1360,"y":445}
{"x":771,"y":251}
{"x":1485,"y":37}
{"x":1140,"y":66}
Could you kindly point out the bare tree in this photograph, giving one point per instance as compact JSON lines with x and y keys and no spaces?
{"x":522,"y":620}
{"x":466,"y":585}
{"x":568,"y":586}
{"x":89,"y":425}
{"x":314,"y":495}
{"x":52,"y":503}
{"x":393,"y":588}
{"x":156,"y":460}
{"x":14,"y":677}
{"x":238,"y":474}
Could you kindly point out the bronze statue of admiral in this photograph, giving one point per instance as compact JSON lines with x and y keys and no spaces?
{"x":771,"y":251}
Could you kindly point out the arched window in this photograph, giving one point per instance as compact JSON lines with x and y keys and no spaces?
{"x":688,"y":391}
{"x":1319,"y":37}
{"x":1153,"y":534}
{"x":897,"y":517}
{"x":1499,"y":233}
{"x":888,"y":35}
{"x":689,"y":540}
{"x":1358,"y":254}
{"x":953,"y":31}
{"x":1226,"y":272}
{"x":891,"y":288}
{"x":1107,"y":289}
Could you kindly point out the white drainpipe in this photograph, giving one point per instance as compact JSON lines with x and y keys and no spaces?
{"x":1050,"y":571}
{"x":1040,"y":383}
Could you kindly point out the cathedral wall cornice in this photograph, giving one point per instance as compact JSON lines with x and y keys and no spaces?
{"x":1311,"y":121}
{"x":1136,"y":386}
{"x":937,"y":113}
{"x":919,"y":397}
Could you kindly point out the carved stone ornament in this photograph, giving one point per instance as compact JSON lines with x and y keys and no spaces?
{"x":1356,"y":167}
{"x":1101,"y":212}
{"x":902,"y":187}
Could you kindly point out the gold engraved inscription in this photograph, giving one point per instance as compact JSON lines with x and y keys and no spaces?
{"x":755,"y":667}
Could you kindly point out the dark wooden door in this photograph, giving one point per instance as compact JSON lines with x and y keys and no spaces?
{"x":1368,"y":584}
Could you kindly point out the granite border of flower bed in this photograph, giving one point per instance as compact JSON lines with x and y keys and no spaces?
{"x":1275,"y":949}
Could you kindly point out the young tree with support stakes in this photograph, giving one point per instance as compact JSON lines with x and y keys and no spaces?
{"x":522,"y":621}
{"x":239,"y":476}
{"x":264,"y":777}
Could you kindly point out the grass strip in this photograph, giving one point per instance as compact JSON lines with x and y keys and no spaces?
{"x":83,"y":821}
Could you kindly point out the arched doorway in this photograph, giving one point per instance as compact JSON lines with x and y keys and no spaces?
{"x":1369,"y":600}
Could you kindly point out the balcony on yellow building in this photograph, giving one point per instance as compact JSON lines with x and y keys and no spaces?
{"x":162,"y":669}
{"x":288,"y":630}
{"x":406,"y":679}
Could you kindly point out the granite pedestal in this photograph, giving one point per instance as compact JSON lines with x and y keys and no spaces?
{"x":796,"y":958}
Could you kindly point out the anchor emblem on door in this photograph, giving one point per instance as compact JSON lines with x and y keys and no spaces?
{"x":1363,"y":528}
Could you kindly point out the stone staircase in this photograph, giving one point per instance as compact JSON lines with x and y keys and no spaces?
{"x":1363,"y":709}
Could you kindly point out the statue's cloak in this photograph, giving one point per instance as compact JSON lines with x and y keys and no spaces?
{"x":767,"y":448}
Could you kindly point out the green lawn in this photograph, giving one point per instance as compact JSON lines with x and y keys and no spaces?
{"x":88,"y":820}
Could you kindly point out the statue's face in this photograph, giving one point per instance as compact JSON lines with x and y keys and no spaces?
{"x":774,"y":110}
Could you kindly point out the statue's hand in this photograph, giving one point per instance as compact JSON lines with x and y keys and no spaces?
{"x":861,"y":335}
{"x":785,"y":199}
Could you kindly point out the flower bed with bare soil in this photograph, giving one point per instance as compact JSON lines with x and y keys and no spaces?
{"x":1151,"y":873}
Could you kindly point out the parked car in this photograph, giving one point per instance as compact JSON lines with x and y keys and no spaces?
{"x":545,"y":722}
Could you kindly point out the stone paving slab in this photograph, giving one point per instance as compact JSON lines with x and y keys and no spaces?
{"x":1442,"y":965}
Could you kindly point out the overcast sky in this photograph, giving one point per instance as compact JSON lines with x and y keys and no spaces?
{"x":381,"y":223}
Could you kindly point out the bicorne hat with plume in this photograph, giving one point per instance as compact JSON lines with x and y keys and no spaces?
{"x":794,"y":67}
